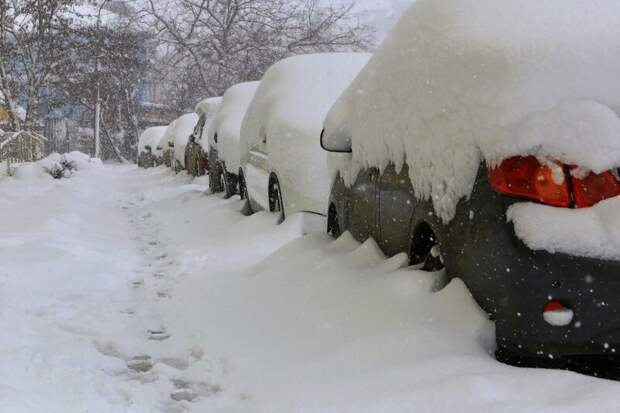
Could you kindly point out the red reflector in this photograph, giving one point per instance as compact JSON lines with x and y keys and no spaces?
{"x":526,"y":177}
{"x":553,"y":306}
{"x":595,"y":188}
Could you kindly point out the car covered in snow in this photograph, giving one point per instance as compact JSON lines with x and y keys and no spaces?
{"x":223,"y":135}
{"x":197,"y":156}
{"x":183,"y":128}
{"x":147,"y":143}
{"x":283,"y":168}
{"x":483,"y":137}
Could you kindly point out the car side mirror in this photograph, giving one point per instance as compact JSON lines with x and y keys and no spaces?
{"x":337,"y":143}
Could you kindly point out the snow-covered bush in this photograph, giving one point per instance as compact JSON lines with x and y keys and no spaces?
{"x":459,"y":81}
{"x":56,"y":165}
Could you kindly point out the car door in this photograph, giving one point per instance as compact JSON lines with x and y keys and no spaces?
{"x":364,"y":207}
{"x":396,"y":204}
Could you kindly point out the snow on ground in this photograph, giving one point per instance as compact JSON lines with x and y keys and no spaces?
{"x":126,"y":290}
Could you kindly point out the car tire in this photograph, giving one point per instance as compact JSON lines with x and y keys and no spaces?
{"x":243,"y":193}
{"x":333,"y":222}
{"x":275,"y":198}
{"x":425,"y":248}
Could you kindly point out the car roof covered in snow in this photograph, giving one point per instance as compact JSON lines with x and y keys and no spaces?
{"x":182,"y":130}
{"x":208,"y":106}
{"x":151,"y":136}
{"x":288,"y":110}
{"x":227,"y":122}
{"x":458,"y":81}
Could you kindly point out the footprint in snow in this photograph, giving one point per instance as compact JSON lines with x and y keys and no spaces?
{"x":140,"y":364}
{"x":158,"y":335}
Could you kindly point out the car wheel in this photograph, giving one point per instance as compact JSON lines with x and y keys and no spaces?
{"x":243,"y":193}
{"x":425,"y":249}
{"x":333,"y":222}
{"x":275,"y":198}
{"x":243,"y":189}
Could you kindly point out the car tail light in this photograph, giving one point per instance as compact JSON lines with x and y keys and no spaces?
{"x":557,"y":315}
{"x":594,"y":188}
{"x":526,"y":177}
{"x":552,"y":184}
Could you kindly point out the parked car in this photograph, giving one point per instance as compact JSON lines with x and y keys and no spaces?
{"x":175,"y":138}
{"x":485,"y":141}
{"x":183,"y":130}
{"x":283,"y":168}
{"x":223,"y":137}
{"x":147,"y":143}
{"x":165,"y":147}
{"x":197,"y":157}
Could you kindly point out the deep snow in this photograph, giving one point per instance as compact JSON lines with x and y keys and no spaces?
{"x":245,"y":315}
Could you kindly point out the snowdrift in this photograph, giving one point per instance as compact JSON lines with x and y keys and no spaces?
{"x":459,"y":81}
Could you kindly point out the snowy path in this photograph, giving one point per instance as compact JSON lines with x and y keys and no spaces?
{"x":124,"y":290}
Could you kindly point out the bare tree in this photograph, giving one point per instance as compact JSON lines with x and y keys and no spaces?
{"x":36,"y":41}
{"x":212,"y":44}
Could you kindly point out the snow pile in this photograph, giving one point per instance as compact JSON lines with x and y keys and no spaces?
{"x":227,"y":124}
{"x":590,"y":232}
{"x":182,"y":129}
{"x":285,"y":119}
{"x":150,"y":137}
{"x":459,"y":80}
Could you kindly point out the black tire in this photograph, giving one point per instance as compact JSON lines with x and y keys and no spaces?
{"x":333,"y":222}
{"x":243,"y":193}
{"x":229,"y":182}
{"x":275,"y":198}
{"x":243,"y":189}
{"x":425,"y":248}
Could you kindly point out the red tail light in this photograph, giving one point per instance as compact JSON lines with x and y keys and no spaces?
{"x":594,"y":188}
{"x":528,"y":178}
{"x":525,"y":177}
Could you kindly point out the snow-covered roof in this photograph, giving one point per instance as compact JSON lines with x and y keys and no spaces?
{"x":288,"y":112}
{"x":151,"y":137}
{"x":227,"y":123}
{"x":458,"y":80}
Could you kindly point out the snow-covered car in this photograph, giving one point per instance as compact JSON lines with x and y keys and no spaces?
{"x":147,"y":143}
{"x":224,"y":138}
{"x":182,"y":131}
{"x":197,"y":157}
{"x":484,"y":137}
{"x":283,"y":168}
{"x":165,"y":147}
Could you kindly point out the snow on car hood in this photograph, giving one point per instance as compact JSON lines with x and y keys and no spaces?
{"x":227,"y":123}
{"x":183,"y":128}
{"x":590,"y":232}
{"x":151,"y":136}
{"x":208,"y":107}
{"x":288,"y":110}
{"x":458,"y":81}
